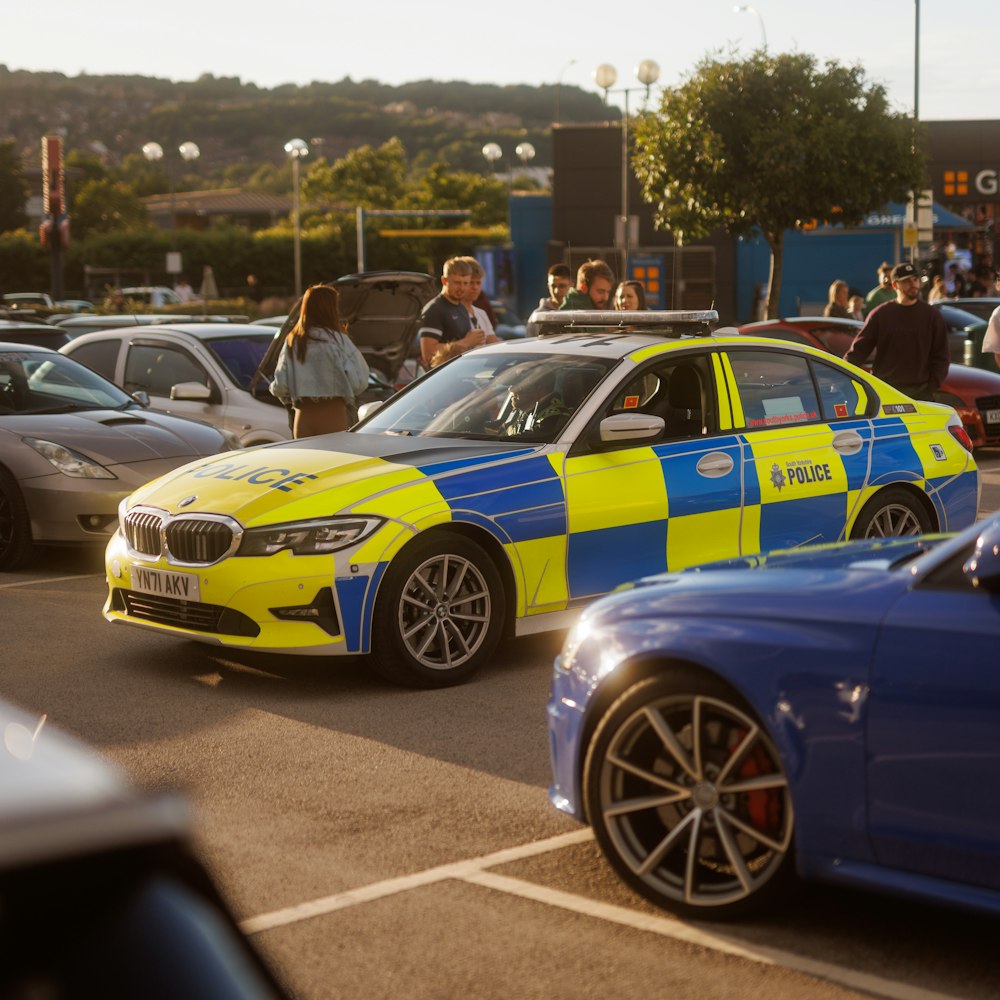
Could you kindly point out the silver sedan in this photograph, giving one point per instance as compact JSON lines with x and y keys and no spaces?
{"x":73,"y":445}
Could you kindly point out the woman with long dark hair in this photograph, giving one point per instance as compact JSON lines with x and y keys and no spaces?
{"x":320,"y":371}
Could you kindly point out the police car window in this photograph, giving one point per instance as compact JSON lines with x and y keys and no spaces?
{"x":775,"y":389}
{"x":841,"y":396}
{"x":156,"y":368}
{"x":508,"y":397}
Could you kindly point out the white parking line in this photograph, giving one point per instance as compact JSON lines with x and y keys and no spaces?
{"x":51,"y":579}
{"x":473,"y":871}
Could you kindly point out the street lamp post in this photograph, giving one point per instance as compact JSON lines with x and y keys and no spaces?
{"x":745,"y":8}
{"x":647,"y":73}
{"x":562,"y":73}
{"x":295,"y":149}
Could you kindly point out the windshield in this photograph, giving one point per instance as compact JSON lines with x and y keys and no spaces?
{"x":484,"y":395}
{"x":240,"y":356}
{"x":33,"y":382}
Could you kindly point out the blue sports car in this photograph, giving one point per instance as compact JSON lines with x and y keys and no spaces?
{"x":830,"y":713}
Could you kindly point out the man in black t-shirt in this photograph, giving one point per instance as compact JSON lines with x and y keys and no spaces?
{"x":445,"y":319}
{"x":909,"y":338}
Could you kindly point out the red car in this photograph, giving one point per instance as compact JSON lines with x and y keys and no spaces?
{"x":973,"y":392}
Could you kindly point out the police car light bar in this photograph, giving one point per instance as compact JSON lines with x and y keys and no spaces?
{"x":669,"y":323}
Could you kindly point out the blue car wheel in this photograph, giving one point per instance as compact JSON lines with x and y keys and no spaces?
{"x":688,"y":798}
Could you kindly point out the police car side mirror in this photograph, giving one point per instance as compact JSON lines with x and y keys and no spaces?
{"x":983,"y":569}
{"x":628,"y":427}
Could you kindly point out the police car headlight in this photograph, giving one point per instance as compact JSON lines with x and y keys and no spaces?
{"x":308,"y":538}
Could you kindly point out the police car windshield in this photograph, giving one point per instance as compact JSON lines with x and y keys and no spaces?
{"x":504,"y":397}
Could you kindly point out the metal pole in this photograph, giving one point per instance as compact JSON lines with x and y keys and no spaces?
{"x":297,"y":237}
{"x":915,"y":196}
{"x":624,"y":270}
{"x":359,"y":215}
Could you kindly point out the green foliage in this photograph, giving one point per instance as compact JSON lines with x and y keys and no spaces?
{"x":370,"y":177}
{"x":106,"y":206}
{"x":13,"y":189}
{"x":772,"y":142}
{"x":24,"y":265}
{"x":442,"y":187}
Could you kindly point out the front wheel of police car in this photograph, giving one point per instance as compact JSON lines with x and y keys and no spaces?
{"x":440,"y":612}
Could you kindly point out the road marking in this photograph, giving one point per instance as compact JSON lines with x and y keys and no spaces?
{"x":53,"y":579}
{"x":473,"y":871}
{"x":666,"y":927}
{"x":393,"y":886}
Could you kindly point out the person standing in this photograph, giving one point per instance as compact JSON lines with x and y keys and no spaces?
{"x":836,"y":304}
{"x":594,"y":281}
{"x":909,"y":338}
{"x":856,"y":308}
{"x":630,"y":295}
{"x":559,"y":282}
{"x":185,"y":293}
{"x":478,"y":316}
{"x":991,"y":342}
{"x":320,"y":371}
{"x":883,"y":291}
{"x":445,"y":319}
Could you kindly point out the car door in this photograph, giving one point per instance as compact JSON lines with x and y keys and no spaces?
{"x":634,"y":509}
{"x":156,"y":366}
{"x":933,"y":732}
{"x":807,"y":442}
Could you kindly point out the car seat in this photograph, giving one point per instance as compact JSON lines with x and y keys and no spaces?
{"x":683,"y":414}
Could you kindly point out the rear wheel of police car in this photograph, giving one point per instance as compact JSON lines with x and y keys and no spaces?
{"x":439,"y":613}
{"x":891,"y":513}
{"x":15,"y":524}
{"x":688,"y":798}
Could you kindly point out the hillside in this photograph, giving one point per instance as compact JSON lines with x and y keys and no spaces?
{"x":234,"y":122}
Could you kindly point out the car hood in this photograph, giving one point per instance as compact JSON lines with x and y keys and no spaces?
{"x":282,"y":482}
{"x":116,"y":437}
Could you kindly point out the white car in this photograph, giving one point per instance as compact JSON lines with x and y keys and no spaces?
{"x":152,"y":295}
{"x":199,"y":370}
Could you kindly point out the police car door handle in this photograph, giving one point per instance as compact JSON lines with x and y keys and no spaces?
{"x":715,"y":464}
{"x":847,"y":442}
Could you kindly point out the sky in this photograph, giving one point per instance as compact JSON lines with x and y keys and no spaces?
{"x":511,"y":41}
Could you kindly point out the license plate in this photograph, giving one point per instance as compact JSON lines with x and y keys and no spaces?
{"x":991,"y":416}
{"x":184,"y":586}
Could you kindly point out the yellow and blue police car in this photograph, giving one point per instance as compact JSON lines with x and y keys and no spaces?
{"x":502,"y":491}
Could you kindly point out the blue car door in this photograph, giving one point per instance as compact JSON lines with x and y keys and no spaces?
{"x":934,"y":734}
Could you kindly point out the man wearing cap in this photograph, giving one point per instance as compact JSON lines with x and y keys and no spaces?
{"x":909,"y":338}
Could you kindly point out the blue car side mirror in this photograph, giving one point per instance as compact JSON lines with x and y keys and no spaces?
{"x":983,"y":569}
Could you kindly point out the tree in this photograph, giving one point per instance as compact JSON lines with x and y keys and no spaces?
{"x":773,"y":142}
{"x":106,"y":206}
{"x":374,"y":178}
{"x":443,"y":187}
{"x":13,"y":189}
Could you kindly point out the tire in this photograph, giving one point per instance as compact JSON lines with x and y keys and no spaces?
{"x":15,"y":525}
{"x":689,"y":801}
{"x":440,"y":613}
{"x":892,"y":512}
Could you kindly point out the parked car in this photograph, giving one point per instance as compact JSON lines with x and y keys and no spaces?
{"x":973,"y":392}
{"x":963,"y":327}
{"x":509,"y":325}
{"x":75,"y":305}
{"x":20,"y":300}
{"x":103,"y":892}
{"x":982,"y":308}
{"x":77,"y":324}
{"x":831,"y":713}
{"x":73,"y":446}
{"x":152,"y":295}
{"x":199,"y":370}
{"x":39,"y":334}
{"x":485,"y":498}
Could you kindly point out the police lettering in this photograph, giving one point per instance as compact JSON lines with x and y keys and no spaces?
{"x":261,"y":475}
{"x":809,"y":474}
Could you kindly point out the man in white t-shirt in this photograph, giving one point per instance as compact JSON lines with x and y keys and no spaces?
{"x":991,"y":342}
